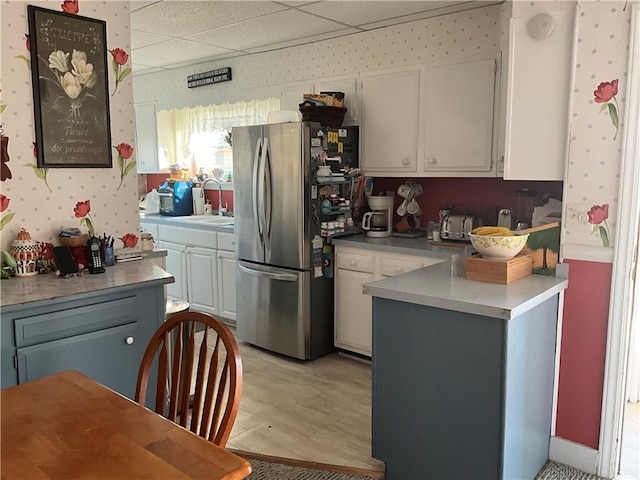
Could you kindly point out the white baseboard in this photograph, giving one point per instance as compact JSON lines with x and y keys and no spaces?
{"x":573,"y":454}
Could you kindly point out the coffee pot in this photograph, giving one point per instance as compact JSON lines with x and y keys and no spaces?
{"x":377,"y":222}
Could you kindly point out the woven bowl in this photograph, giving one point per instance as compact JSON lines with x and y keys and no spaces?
{"x":498,"y":247}
{"x":79,"y":241}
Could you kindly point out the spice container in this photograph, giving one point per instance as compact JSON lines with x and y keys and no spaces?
{"x":324,"y":229}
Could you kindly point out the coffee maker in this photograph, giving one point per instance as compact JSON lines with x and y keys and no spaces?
{"x":377,"y":222}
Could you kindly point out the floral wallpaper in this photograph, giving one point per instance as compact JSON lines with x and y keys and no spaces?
{"x":597,"y":123}
{"x":45,"y":200}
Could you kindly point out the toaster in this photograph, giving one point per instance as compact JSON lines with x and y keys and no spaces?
{"x":458,"y":226}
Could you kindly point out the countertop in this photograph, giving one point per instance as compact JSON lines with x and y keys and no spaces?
{"x":420,"y":246}
{"x":47,"y":287}
{"x":200,"y":222}
{"x":434,"y":286}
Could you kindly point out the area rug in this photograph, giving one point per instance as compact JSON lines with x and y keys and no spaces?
{"x":273,"y":470}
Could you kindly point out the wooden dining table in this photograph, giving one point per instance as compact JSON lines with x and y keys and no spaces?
{"x":67,"y":426}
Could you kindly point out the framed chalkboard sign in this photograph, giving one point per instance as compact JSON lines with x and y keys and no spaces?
{"x":70,"y":89}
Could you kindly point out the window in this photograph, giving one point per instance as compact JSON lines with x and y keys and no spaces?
{"x":199,"y":138}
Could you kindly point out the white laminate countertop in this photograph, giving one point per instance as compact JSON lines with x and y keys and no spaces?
{"x":46,"y":287}
{"x":434,"y":286}
{"x":190,"y":221}
{"x":420,"y":246}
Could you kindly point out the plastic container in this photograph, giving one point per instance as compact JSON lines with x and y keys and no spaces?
{"x":152,"y":202}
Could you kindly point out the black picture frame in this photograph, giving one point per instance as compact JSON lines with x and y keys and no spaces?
{"x":70,"y":89}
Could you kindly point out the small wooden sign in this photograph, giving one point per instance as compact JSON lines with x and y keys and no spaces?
{"x":218,"y":75}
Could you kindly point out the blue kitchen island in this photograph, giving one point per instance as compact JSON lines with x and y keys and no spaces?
{"x":463,"y":375}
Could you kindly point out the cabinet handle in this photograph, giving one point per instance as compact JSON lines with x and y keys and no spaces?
{"x":399,"y":270}
{"x":431,"y":161}
{"x":129,"y":340}
{"x":406,"y":162}
{"x":352,"y":262}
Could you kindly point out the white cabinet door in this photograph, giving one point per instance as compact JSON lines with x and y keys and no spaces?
{"x":202,"y":270}
{"x":390,"y":122}
{"x":291,"y":95}
{"x":146,"y":150}
{"x":352,"y":312}
{"x":537,"y":101}
{"x":176,"y":266}
{"x":460,"y":105}
{"x":227,"y":285}
{"x":348,"y":86}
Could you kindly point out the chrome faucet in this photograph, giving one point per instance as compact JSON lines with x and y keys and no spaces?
{"x":211,"y":179}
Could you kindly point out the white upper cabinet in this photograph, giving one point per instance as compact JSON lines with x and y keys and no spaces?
{"x":348,"y":86}
{"x":146,"y":152}
{"x":460,"y":106}
{"x":537,"y":94}
{"x":291,"y":95}
{"x":390,"y":122}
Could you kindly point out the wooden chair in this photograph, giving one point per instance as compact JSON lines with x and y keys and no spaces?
{"x":218,"y":375}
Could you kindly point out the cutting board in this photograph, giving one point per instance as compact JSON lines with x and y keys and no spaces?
{"x":498,"y":270}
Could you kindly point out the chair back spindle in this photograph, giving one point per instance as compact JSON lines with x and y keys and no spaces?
{"x":206,"y":363}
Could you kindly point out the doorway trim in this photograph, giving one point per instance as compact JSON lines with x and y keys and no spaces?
{"x":624,"y":267}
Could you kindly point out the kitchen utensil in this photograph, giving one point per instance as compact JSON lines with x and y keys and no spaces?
{"x":404,"y":190}
{"x":402,"y":208}
{"x":413,"y":207}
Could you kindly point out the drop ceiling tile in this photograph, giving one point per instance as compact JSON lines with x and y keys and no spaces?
{"x":271,"y":29}
{"x":363,"y":12}
{"x":302,"y":41}
{"x":138,"y":4}
{"x":184,"y":18}
{"x":142,"y":39}
{"x":175,"y":51}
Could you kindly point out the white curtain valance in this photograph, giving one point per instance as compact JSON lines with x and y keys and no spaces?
{"x":222,"y":117}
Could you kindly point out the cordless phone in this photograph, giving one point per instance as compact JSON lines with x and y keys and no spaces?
{"x":95,"y":257}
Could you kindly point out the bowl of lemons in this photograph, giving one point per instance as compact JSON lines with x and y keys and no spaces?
{"x":497,"y":242}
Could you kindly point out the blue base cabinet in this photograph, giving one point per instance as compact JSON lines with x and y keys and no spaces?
{"x":102,"y":335}
{"x":461,"y":396}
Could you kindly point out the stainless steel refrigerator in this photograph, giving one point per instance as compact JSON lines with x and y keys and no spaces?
{"x":281,"y":305}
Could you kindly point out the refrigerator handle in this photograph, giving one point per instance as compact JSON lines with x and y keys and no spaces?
{"x":256,"y":187}
{"x":268,"y":179}
{"x":285,"y":277}
{"x":262,"y":207}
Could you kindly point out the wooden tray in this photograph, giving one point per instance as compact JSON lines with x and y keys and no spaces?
{"x":498,"y":270}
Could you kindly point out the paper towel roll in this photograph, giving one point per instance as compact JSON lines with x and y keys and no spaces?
{"x":198,"y":201}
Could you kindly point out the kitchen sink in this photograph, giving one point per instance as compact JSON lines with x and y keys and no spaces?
{"x":209,"y":219}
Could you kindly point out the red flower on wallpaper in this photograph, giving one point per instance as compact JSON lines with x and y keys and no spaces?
{"x":82,"y":210}
{"x":606,"y":92}
{"x":598,"y":215}
{"x":26,"y":59}
{"x":70,"y":6}
{"x":46,"y":250}
{"x":130,"y":240}
{"x":120,"y":58}
{"x":125,"y":151}
{"x":4,"y":204}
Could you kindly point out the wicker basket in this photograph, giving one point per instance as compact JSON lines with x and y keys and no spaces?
{"x":327,"y":116}
{"x":78,"y":241}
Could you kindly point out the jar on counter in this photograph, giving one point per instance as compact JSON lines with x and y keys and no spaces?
{"x":331,"y":228}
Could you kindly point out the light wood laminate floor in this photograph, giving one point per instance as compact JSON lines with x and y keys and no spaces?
{"x":316,"y":411}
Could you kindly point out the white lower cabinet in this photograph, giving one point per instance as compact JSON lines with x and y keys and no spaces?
{"x":227,"y":277}
{"x":176,"y":266}
{"x":203,"y":265}
{"x":354,"y":268}
{"x":202,"y":279}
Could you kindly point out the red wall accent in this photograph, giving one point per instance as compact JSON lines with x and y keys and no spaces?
{"x":582,"y":358}
{"x":154,"y":180}
{"x":483,"y":196}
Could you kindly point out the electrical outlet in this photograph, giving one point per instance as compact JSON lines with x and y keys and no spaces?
{"x":577,"y":217}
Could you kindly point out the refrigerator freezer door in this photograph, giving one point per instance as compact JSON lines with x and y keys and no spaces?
{"x":287,"y":195}
{"x":273,"y":308}
{"x":247,"y":149}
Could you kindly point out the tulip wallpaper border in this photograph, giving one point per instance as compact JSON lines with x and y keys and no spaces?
{"x":70,"y":89}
